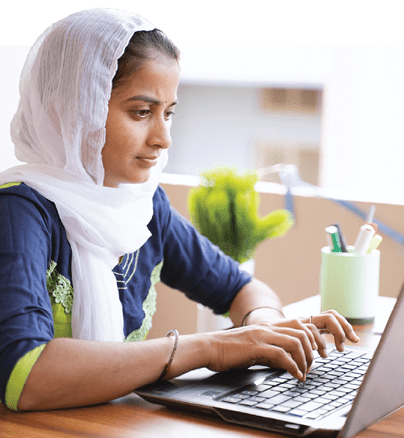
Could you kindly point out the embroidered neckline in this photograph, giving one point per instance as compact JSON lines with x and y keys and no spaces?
{"x":126,"y":277}
{"x":62,"y":291}
{"x":60,"y":287}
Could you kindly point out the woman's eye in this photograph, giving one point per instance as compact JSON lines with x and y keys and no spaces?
{"x":142,"y":113}
{"x":169,"y":115}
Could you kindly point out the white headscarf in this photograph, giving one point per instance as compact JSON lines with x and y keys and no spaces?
{"x":59,"y":130}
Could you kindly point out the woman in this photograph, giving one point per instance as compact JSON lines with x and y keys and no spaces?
{"x":85,"y":232}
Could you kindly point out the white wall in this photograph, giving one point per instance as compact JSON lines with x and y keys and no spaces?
{"x":255,"y":64}
{"x":11,"y":62}
{"x":362,"y":140}
{"x":221,"y":125}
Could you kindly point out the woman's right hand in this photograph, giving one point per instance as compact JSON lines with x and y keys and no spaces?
{"x":264,"y":344}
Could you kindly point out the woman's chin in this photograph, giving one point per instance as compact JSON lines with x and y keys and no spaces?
{"x":139,"y":178}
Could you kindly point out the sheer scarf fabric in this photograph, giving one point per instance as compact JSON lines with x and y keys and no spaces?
{"x":59,"y":131}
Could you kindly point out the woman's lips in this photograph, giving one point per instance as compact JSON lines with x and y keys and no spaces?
{"x":148,"y":161}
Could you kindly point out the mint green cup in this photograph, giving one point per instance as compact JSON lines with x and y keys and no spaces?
{"x":349,"y":283}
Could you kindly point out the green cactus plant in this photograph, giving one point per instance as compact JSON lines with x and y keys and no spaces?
{"x":224,"y":208}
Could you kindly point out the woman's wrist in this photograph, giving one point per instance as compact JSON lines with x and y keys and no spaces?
{"x":264,"y":314}
{"x":176,"y":338}
{"x":192,"y":352}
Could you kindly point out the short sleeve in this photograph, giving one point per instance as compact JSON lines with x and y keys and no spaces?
{"x":197,"y":267}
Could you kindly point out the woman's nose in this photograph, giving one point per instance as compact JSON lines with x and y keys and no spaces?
{"x":160,"y":134}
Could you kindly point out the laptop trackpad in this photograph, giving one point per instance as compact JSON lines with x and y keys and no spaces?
{"x":208,"y":383}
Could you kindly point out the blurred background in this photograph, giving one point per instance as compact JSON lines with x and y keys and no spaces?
{"x":334,"y":111}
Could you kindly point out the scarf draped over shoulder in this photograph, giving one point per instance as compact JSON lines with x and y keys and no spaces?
{"x":59,"y":132}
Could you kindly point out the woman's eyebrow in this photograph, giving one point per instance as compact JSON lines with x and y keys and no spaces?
{"x":148,"y":99}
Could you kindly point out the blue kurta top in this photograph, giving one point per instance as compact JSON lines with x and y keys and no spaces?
{"x":36,"y":290}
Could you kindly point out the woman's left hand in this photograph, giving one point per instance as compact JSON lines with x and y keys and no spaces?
{"x":329,"y":321}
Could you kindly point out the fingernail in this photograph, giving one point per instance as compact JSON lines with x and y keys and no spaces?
{"x":300,"y":375}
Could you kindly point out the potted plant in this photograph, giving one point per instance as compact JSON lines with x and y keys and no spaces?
{"x":224,"y":208}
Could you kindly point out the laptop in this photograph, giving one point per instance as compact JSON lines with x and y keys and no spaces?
{"x":342,"y":395}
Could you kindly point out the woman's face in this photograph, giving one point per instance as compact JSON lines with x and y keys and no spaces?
{"x":139,"y":120}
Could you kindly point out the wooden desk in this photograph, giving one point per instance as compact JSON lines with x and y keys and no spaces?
{"x":133,"y":417}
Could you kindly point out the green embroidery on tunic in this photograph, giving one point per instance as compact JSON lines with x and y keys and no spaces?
{"x":61,"y":296}
{"x":60,"y":287}
{"x":149,"y":307}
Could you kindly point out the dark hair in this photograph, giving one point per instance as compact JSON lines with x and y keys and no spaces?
{"x":139,"y":50}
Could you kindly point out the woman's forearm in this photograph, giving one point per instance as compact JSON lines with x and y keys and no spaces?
{"x":72,"y":372}
{"x":253,"y":295}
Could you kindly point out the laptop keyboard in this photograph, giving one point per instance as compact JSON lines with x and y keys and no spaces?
{"x":331,"y":384}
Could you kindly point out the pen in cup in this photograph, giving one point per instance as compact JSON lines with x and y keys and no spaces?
{"x":364,"y":239}
{"x":374,"y":243}
{"x":333,"y":238}
{"x":370,"y":218}
{"x":371,"y":214}
{"x":344,"y":246}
